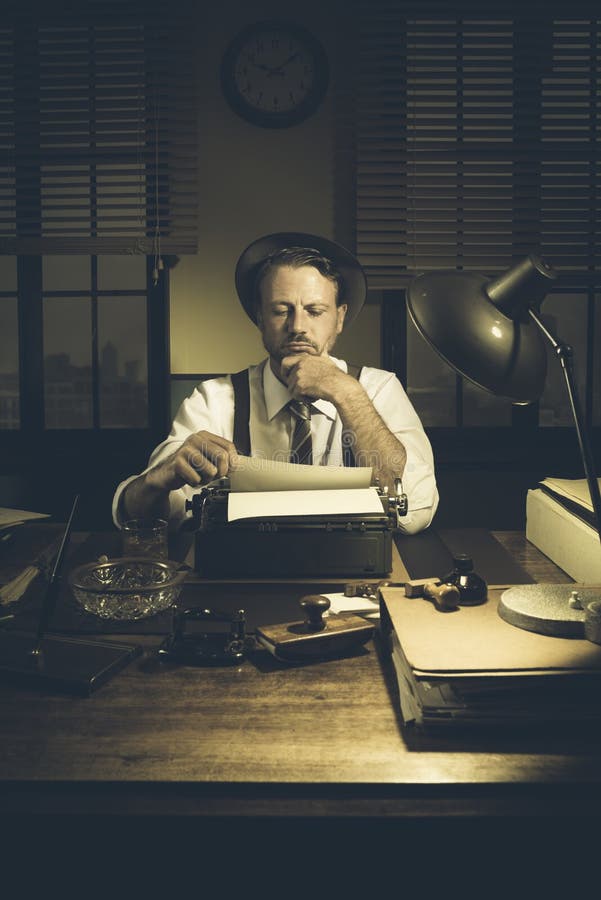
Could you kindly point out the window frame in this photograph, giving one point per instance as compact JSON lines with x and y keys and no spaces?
{"x":384,"y":156}
{"x":92,"y":90}
{"x":467,"y":152}
{"x":52,"y":464}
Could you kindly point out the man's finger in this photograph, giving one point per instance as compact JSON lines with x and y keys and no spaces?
{"x":213,"y":446}
{"x":207,"y":458}
{"x":188,"y":473}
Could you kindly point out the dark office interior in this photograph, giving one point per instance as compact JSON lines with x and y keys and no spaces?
{"x":445,"y":149}
{"x":449,"y":135}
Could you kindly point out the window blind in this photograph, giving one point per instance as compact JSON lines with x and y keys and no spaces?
{"x":477,"y":131}
{"x":98,"y":127}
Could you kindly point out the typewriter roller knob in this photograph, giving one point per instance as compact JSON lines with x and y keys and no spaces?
{"x":314,"y":606}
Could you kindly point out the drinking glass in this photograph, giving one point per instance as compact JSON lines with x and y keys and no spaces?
{"x":145,"y":537}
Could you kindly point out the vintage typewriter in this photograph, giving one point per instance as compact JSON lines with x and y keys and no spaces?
{"x":356,"y":543}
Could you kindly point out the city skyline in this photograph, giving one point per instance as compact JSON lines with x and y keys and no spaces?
{"x":68,"y":394}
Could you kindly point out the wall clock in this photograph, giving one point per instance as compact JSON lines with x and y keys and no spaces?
{"x":274,"y":74}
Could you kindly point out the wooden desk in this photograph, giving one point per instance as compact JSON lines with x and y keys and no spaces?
{"x":265,"y":740}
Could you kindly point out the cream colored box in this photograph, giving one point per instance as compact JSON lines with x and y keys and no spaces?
{"x":573,"y":545}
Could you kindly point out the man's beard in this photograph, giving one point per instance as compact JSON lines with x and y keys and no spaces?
{"x":282,"y":350}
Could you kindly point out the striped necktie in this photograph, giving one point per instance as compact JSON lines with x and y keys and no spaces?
{"x":301,"y":450}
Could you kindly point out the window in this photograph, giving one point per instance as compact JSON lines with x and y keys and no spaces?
{"x":99,"y":128}
{"x":98,"y":196}
{"x":477,"y":134}
{"x":96,"y":370}
{"x":10,"y":417}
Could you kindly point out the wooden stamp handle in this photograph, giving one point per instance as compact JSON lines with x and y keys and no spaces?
{"x":444,"y":596}
{"x":314,"y":606}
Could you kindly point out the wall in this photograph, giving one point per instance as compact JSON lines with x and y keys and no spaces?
{"x":254,"y":181}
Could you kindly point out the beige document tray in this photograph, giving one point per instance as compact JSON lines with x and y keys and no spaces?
{"x":476,"y":641}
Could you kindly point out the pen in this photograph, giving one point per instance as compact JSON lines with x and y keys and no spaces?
{"x":53,"y":586}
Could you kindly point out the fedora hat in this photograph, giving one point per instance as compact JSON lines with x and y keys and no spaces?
{"x":354,"y":283}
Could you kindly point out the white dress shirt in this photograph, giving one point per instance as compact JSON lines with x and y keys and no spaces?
{"x":210,"y":407}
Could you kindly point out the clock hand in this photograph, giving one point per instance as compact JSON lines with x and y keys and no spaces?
{"x":279,"y":70}
{"x":289,"y":60}
{"x":275,"y":70}
{"x":271,"y":70}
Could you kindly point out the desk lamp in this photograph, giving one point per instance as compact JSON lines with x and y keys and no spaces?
{"x":490,"y":332}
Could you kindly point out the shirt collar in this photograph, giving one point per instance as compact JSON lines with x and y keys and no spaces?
{"x":277,"y":395}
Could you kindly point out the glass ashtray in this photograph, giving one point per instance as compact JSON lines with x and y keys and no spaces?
{"x":128,"y":588}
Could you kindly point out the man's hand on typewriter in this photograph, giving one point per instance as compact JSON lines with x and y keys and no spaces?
{"x":201,"y":458}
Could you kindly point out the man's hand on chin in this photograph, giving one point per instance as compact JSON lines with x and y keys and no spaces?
{"x":311,"y":375}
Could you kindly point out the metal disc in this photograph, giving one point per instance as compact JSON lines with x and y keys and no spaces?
{"x":545,"y":608}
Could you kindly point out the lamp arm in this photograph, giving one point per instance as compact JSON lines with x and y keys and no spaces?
{"x":565,"y":355}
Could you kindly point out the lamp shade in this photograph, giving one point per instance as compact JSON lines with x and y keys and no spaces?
{"x":481,"y":326}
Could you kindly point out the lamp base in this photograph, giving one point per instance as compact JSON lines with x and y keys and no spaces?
{"x":546,"y":608}
{"x":66,"y":664}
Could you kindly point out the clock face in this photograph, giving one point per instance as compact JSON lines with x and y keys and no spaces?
{"x":274,"y":74}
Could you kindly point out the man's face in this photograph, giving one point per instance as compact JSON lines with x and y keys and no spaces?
{"x":298,"y":312}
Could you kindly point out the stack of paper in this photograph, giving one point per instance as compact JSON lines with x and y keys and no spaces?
{"x":359,"y":606}
{"x":265,"y":488}
{"x":573,"y":494}
{"x":471,"y":667}
{"x":14,"y":589}
{"x":253,"y":473}
{"x":560,"y":522}
{"x":10,"y":517}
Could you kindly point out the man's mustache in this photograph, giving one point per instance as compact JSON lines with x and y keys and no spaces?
{"x":300,"y":339}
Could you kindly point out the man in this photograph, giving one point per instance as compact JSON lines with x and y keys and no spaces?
{"x":300,"y":290}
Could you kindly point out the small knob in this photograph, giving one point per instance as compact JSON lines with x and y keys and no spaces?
{"x":463,"y":563}
{"x":472,"y":588}
{"x":314,"y":606}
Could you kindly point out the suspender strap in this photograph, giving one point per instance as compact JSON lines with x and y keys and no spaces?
{"x":241,"y":412}
{"x":242,"y":416}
